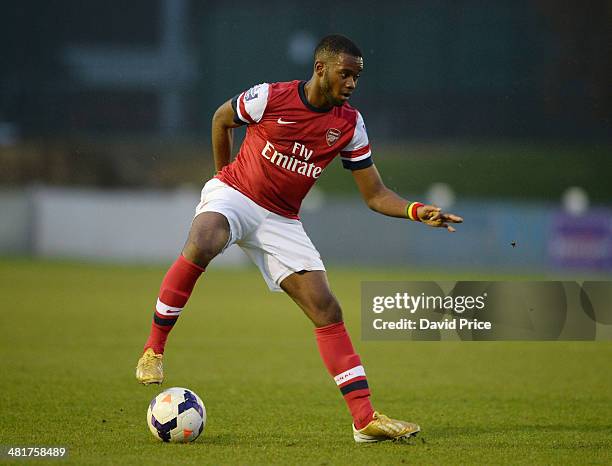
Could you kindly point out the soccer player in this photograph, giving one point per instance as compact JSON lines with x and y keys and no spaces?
{"x":295,"y":129}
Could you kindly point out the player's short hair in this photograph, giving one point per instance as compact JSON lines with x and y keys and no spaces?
{"x":335,"y":44}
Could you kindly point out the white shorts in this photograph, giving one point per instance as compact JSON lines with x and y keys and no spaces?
{"x":277,"y":245}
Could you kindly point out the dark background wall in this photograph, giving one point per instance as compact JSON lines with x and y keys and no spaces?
{"x":434,"y":69}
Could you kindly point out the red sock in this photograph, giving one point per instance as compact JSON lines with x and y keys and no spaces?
{"x":345,"y":367}
{"x":175,"y":290}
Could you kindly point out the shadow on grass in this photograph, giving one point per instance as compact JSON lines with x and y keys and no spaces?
{"x":288,"y":442}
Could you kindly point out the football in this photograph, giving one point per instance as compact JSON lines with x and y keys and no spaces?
{"x":176,"y":415}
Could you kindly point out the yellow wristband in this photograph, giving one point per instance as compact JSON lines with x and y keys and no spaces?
{"x":411,"y":211}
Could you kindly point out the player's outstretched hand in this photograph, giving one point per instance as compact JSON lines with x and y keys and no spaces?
{"x":434,"y":217}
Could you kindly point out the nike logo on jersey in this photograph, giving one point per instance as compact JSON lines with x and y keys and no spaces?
{"x":280,"y":121}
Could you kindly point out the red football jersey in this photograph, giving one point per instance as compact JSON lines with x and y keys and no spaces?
{"x":289,"y":143}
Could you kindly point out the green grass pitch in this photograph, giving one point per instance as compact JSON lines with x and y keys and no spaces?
{"x":71,"y":335}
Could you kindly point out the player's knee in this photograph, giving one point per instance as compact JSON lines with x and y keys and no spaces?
{"x":208,"y":236}
{"x":200,"y":254}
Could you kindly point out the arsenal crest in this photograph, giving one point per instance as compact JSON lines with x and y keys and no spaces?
{"x":332,"y":136}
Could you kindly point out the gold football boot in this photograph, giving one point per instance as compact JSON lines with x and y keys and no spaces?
{"x":150,"y":368}
{"x":383,"y":428}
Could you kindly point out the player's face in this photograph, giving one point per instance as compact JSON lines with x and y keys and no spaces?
{"x":340,"y":78}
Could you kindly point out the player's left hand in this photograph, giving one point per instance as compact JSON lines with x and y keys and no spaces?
{"x":434,"y":217}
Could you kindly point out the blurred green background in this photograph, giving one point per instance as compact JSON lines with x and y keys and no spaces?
{"x":505,"y":99}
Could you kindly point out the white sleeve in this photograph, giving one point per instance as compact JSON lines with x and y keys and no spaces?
{"x":250,"y":105}
{"x":356,"y":154}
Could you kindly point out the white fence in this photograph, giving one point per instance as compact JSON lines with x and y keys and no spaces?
{"x":143,"y":226}
{"x":151,"y":226}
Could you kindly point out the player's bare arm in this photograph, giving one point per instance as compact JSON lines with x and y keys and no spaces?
{"x":385,"y":201}
{"x":223,"y":125}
